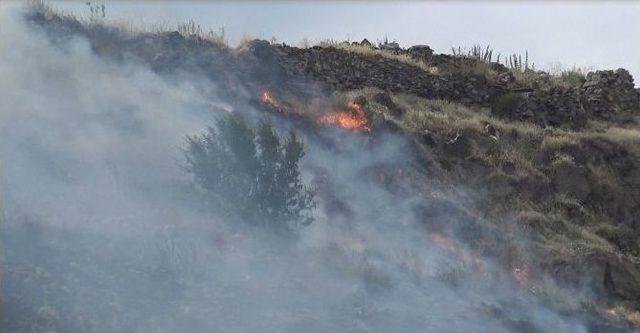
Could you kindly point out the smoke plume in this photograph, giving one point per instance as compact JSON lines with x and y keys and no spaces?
{"x":105,"y":231}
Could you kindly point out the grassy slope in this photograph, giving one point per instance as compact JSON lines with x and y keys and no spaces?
{"x":576,"y":189}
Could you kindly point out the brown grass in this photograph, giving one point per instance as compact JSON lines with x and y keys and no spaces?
{"x":370,"y":52}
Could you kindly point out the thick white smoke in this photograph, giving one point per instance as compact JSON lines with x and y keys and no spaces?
{"x":104,"y":231}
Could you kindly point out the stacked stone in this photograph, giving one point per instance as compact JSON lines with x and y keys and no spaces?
{"x":610,"y":95}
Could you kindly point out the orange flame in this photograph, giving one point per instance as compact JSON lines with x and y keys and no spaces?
{"x":354,"y":119}
{"x":521,"y":274}
{"x":267,"y":98}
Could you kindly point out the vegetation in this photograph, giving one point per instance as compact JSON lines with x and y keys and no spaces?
{"x":253,"y":173}
{"x":503,"y":159}
{"x":574,"y":77}
{"x":369,"y":50}
{"x":577,"y":189}
{"x":192,"y":30}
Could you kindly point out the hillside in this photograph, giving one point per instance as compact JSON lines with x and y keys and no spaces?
{"x":511,"y":175}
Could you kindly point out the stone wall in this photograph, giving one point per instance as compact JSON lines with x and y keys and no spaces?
{"x":605,"y":95}
{"x":341,"y":69}
{"x":610,"y":95}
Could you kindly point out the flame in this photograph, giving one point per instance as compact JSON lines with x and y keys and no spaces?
{"x":267,"y":98}
{"x":353,"y":119}
{"x":521,"y":274}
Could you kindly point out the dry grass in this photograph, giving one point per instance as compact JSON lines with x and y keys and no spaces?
{"x":516,"y":143}
{"x":371,"y":52}
{"x":422,"y":114}
{"x":621,"y":135}
{"x":513,"y":144}
{"x":558,"y":142}
{"x":190,"y":29}
{"x":98,"y":18}
{"x":560,"y":139}
{"x":441,"y":116}
{"x":41,"y":6}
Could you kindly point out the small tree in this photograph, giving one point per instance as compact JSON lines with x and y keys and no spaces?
{"x":252,"y":173}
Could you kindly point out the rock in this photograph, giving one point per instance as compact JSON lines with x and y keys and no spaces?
{"x":420,"y":52}
{"x":365,"y":42}
{"x":610,"y":95}
{"x":391,"y":46}
{"x":557,"y":106}
{"x":506,"y":78}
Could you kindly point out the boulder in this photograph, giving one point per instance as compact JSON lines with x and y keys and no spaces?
{"x":391,"y":46}
{"x":506,"y":78}
{"x":420,"y":51}
{"x":610,"y":95}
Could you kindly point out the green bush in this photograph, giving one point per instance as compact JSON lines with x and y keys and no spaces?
{"x":252,"y":173}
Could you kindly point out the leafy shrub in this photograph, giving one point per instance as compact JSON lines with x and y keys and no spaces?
{"x":252,"y":173}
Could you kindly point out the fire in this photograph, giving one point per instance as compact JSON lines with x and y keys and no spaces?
{"x":521,"y":274}
{"x":353,"y":119}
{"x":266,"y":97}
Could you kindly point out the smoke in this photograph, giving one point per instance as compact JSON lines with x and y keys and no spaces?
{"x":104,"y":231}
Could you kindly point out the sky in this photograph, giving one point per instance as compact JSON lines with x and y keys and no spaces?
{"x":556,"y":34}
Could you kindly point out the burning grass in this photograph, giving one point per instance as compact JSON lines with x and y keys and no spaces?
{"x":354,"y":118}
{"x":350,"y":117}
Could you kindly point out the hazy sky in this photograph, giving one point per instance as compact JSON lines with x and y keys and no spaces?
{"x":585,"y":34}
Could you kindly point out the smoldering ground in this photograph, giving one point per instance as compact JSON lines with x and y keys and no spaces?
{"x":103,"y":229}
